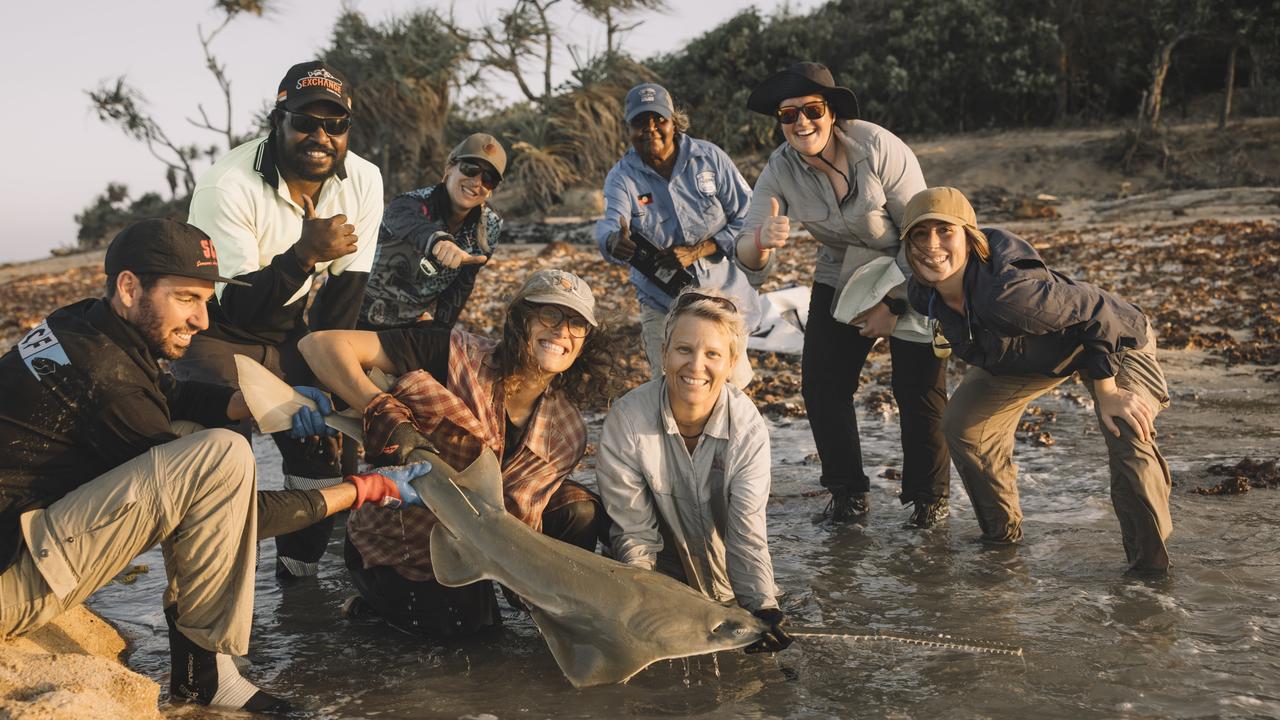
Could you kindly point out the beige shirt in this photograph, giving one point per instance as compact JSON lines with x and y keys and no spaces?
{"x":706,"y":507}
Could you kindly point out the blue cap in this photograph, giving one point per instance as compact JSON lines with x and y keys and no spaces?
{"x":649,"y":97}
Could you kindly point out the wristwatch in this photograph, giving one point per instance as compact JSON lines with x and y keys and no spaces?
{"x":897,"y":306}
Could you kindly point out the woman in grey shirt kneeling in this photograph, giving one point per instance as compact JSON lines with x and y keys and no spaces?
{"x":683,"y":467}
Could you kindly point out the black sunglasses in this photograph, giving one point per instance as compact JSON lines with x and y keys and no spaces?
{"x":488,"y":176}
{"x":813,"y":111}
{"x":552,"y":315}
{"x":690,"y":297}
{"x":307,"y":124}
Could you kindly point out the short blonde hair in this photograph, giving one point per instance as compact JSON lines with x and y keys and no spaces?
{"x":710,"y":305}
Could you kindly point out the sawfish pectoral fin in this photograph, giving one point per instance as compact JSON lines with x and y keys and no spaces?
{"x":452,"y":562}
{"x":584,"y":657}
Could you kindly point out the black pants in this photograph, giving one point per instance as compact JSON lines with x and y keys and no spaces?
{"x":834,"y":355}
{"x":427,"y":608}
{"x":212,"y":360}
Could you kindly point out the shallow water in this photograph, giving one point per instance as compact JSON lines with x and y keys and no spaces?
{"x":1203,"y":643}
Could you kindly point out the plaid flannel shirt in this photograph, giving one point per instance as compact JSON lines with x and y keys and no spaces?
{"x":462,"y":418}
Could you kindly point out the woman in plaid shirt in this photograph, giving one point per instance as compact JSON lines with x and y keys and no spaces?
{"x":457,"y":394}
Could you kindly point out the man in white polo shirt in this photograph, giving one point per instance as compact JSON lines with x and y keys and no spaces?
{"x":285,"y":211}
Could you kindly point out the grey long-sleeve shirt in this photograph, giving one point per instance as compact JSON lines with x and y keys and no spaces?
{"x":884,"y":175}
{"x":706,"y":507}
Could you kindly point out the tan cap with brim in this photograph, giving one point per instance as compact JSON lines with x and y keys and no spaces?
{"x":938,"y":203}
{"x":559,"y":287}
{"x":482,"y":146}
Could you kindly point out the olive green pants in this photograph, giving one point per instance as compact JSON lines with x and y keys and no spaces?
{"x":195,"y":494}
{"x":979,"y":423}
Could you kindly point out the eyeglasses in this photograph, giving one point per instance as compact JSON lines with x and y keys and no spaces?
{"x":488,"y":176}
{"x":688,"y":298}
{"x":307,"y":124}
{"x":814,"y":110}
{"x":552,"y":315}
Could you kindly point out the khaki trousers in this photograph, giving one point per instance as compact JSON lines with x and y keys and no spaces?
{"x":979,"y":423}
{"x":196,"y":494}
{"x":653,"y":331}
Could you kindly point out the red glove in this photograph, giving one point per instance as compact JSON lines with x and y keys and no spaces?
{"x":372,"y":487}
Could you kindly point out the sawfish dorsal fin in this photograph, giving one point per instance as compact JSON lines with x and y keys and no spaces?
{"x":484,"y":478}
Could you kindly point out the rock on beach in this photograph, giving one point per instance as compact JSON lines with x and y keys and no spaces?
{"x":70,"y":669}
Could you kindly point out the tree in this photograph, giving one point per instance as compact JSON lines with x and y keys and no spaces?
{"x":118,"y":102}
{"x":400,"y":72}
{"x":612,"y":14}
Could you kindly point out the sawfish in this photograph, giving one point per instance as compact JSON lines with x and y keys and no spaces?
{"x":603,"y":621}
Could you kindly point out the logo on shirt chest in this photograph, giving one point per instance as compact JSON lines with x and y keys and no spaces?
{"x":706,"y":181}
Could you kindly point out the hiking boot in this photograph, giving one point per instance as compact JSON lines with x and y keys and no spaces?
{"x":212,"y":678}
{"x":845,"y":505}
{"x":927,"y":514}
{"x":356,"y":607}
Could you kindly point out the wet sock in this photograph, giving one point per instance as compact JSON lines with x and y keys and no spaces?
{"x":212,"y":678}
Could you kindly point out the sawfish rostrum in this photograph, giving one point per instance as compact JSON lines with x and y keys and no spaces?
{"x":604,"y":621}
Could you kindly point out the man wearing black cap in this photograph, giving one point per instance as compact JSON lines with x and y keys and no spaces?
{"x":282,"y":210}
{"x":92,"y":472}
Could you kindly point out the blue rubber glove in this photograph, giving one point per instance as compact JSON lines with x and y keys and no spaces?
{"x":308,"y":422}
{"x":401,"y":475}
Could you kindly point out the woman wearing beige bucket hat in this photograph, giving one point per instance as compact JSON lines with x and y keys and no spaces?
{"x":434,"y":240}
{"x":848,"y":181}
{"x":461,"y":393}
{"x":1024,"y":329}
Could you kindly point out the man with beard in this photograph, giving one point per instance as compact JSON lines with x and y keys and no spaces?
{"x":92,"y":472}
{"x":283,"y":210}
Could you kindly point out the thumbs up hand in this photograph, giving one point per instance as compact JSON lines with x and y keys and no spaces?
{"x":323,"y":238}
{"x":620,"y":244}
{"x":775,"y":230}
{"x":452,"y":256}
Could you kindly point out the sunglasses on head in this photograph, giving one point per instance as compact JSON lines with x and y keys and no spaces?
{"x":307,"y":124}
{"x":813,"y":110}
{"x":688,"y":298}
{"x":488,"y":176}
{"x":552,"y":315}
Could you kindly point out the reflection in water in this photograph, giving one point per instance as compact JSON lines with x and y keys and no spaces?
{"x":1204,"y":643}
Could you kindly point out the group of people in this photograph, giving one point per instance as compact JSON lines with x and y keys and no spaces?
{"x":289,"y":259}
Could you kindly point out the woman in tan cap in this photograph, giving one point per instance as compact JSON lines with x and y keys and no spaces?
{"x":434,"y":240}
{"x":460,"y":393}
{"x":1024,"y":329}
{"x":848,"y":181}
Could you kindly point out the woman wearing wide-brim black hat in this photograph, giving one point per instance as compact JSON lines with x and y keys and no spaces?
{"x":848,"y":181}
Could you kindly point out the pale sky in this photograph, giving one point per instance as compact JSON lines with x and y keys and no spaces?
{"x":63,"y":156}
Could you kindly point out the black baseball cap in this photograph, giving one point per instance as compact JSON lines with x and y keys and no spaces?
{"x":167,"y":247}
{"x":313,"y":81}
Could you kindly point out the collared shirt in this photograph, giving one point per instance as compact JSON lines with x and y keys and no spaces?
{"x":399,"y":290}
{"x":706,"y":198}
{"x":708,"y":506}
{"x":885,"y":175}
{"x":245,"y":207}
{"x":461,"y":417}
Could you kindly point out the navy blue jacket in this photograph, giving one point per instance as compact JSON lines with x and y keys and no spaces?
{"x":1024,"y":319}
